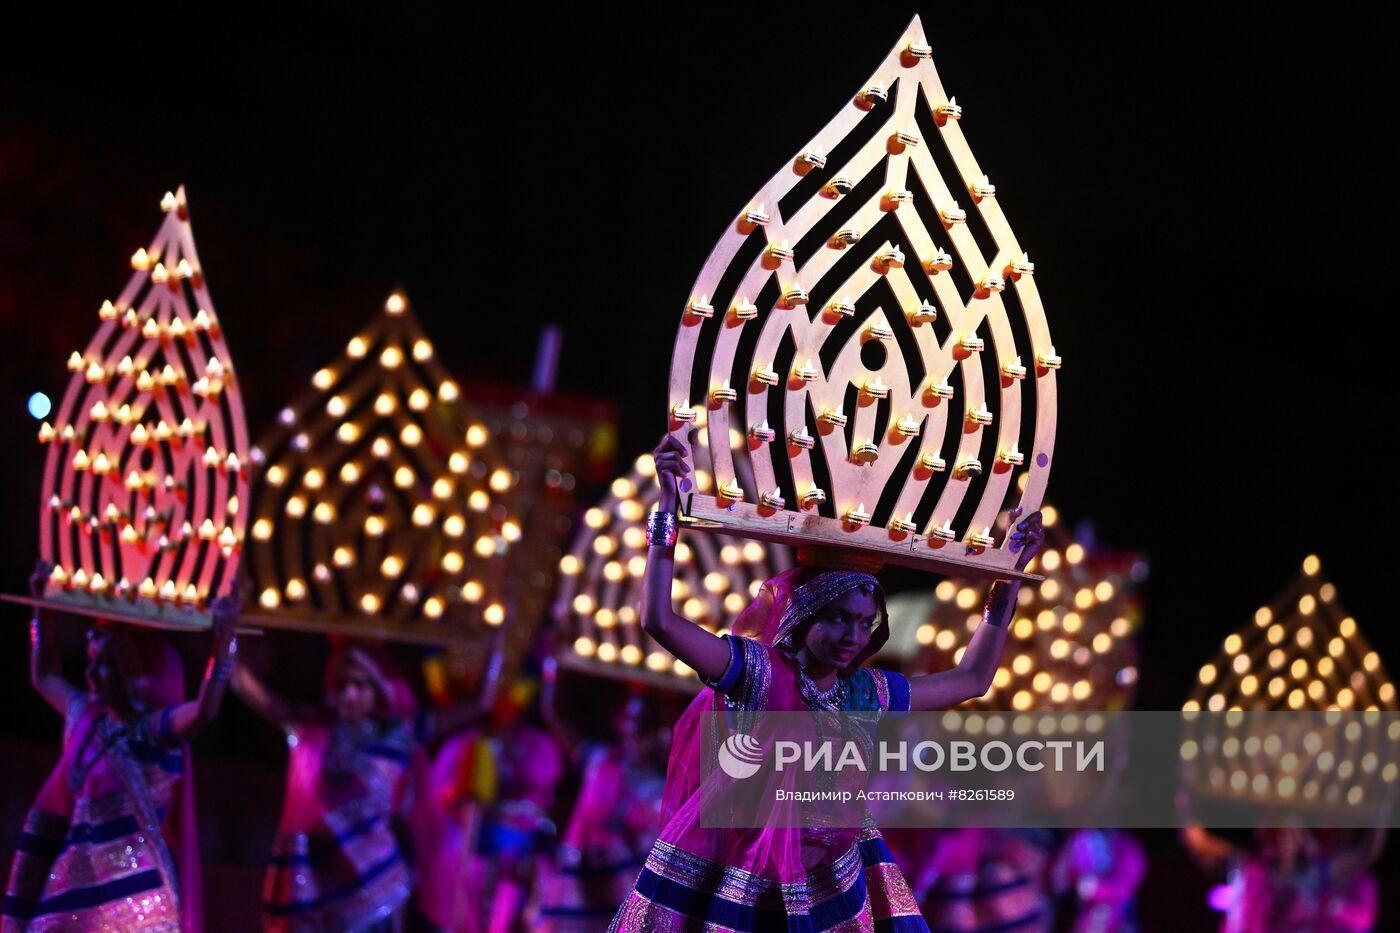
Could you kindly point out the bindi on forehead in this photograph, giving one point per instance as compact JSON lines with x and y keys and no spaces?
{"x":855,"y":603}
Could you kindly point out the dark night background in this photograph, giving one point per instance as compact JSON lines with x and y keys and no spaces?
{"x":1206,"y":201}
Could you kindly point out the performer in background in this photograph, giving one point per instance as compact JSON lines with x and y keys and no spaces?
{"x":517,"y":834}
{"x":1095,"y":876}
{"x":1291,"y":878}
{"x":975,"y":879}
{"x":336,"y":863}
{"x":445,"y":820}
{"x":798,"y":646}
{"x":615,"y":818}
{"x":448,"y":805}
{"x":111,"y":842}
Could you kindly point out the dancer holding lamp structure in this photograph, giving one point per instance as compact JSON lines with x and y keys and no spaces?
{"x":798,"y":646}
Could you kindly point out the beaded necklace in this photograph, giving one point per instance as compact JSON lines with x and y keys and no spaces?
{"x":832,"y":698}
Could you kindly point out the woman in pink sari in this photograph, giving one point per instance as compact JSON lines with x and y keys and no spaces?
{"x":517,"y":833}
{"x":614,"y":821}
{"x":337,"y":866}
{"x":111,"y":843}
{"x":446,"y":818}
{"x":799,"y":646}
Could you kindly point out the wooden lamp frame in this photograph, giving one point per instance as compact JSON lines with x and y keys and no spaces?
{"x":768,"y":356}
{"x":145,"y":494}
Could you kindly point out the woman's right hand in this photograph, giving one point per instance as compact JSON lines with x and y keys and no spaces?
{"x":672,"y":469}
{"x":706,"y":653}
{"x":39,"y":579}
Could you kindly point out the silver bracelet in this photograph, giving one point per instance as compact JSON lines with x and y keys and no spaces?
{"x":219,"y":671}
{"x":661,"y":529}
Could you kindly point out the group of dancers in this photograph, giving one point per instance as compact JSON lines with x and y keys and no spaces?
{"x":399,"y":817}
{"x":394,"y":817}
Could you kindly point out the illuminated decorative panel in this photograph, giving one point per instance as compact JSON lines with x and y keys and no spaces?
{"x":553,"y":444}
{"x":868,"y":333}
{"x":382,"y":506}
{"x":600,"y":589}
{"x":1303,"y":652}
{"x":146,"y":483}
{"x":1071,"y":646}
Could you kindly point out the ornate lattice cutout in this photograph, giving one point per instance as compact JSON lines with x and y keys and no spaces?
{"x":146,"y":478}
{"x":1302,"y":653}
{"x":383,"y":508}
{"x":600,"y":590}
{"x":1071,"y":646}
{"x":853,"y":346}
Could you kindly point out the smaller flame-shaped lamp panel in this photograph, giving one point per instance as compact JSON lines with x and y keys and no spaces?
{"x":145,"y":493}
{"x":600,"y":591}
{"x":383,"y":506}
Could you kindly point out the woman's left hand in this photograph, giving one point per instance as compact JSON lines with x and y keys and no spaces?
{"x":224,"y":615}
{"x":1027,"y":537}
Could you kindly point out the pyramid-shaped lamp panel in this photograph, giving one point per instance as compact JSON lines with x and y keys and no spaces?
{"x":600,"y":591}
{"x":145,"y":484}
{"x":850,"y":345}
{"x":1303,"y":652}
{"x":383,"y":507}
{"x":1305,"y":655}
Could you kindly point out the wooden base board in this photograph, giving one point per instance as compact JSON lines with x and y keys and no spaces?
{"x":952,"y":558}
{"x":140,"y":611}
{"x":628,"y":672}
{"x":359,"y":629}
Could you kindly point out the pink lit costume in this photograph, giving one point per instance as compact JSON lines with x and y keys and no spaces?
{"x":613,"y":826}
{"x":977,"y":880}
{"x":110,"y":843}
{"x":517,"y":833}
{"x":1261,"y":899}
{"x":1100,"y":870}
{"x":336,"y":863}
{"x":446,"y":816}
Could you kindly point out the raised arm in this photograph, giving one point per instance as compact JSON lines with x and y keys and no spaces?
{"x":188,"y":718}
{"x":260,"y":698}
{"x":45,"y":665}
{"x":974,"y":672}
{"x":1209,"y":851}
{"x":564,"y":734}
{"x":707,"y":653}
{"x":458,"y":716}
